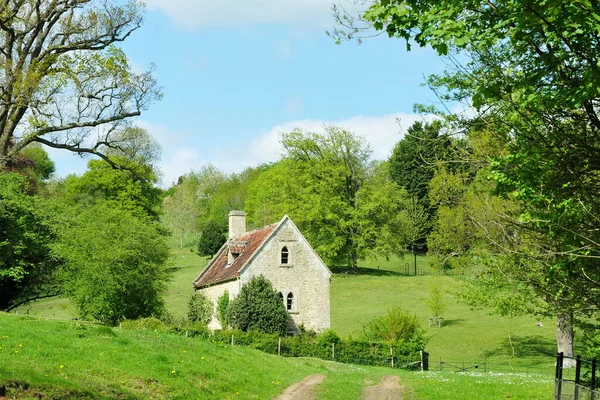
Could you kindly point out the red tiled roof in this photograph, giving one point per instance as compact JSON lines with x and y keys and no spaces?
{"x":245,"y":245}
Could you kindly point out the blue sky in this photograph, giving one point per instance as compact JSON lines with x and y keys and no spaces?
{"x":236,"y":73}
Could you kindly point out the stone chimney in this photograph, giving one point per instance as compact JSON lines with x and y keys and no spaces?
{"x":237,"y":223}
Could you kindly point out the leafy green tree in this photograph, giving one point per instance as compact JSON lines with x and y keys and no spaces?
{"x":416,"y":156}
{"x":200,"y":309}
{"x":26,"y":269}
{"x":130,"y":189}
{"x":115,"y":264}
{"x":181,"y":210}
{"x":212,"y":238}
{"x":435,"y":299}
{"x":347,"y":207}
{"x":396,"y":326}
{"x":63,"y":77}
{"x":34,"y":164}
{"x":532,"y":75}
{"x":258,"y":307}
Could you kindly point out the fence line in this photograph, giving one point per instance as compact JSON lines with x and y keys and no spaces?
{"x":583,"y":386}
{"x":485,"y":366}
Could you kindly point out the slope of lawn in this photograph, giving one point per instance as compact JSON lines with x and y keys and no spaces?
{"x":69,"y":360}
{"x":467,"y":336}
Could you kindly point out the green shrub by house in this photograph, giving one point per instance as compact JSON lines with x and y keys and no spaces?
{"x":258,"y":308}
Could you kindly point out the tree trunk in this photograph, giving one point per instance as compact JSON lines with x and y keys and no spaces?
{"x":564,"y":336}
{"x":415,"y":257}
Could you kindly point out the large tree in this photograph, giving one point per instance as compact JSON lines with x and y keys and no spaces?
{"x":26,"y":267}
{"x":63,"y":82}
{"x":348,"y":207}
{"x":114,"y":263}
{"x":531,"y":70}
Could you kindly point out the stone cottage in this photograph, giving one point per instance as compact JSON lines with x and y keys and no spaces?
{"x":281,"y":254}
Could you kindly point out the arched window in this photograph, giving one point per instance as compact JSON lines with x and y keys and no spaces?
{"x":280,"y":296}
{"x":285,"y":255}
{"x":290,"y":302}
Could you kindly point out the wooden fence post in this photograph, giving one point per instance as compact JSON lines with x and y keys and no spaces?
{"x":333,"y":351}
{"x":232,"y":340}
{"x":593,"y":386}
{"x":279,"y":347}
{"x":577,"y":376}
{"x":392,"y":355}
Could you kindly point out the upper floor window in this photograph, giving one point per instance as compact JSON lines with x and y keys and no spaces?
{"x":285,"y":255}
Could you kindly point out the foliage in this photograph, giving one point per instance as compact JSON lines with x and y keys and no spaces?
{"x":532,"y":75}
{"x":200,"y":309}
{"x":223,"y":309}
{"x":417,"y":155}
{"x":212,"y":238}
{"x":65,"y":83}
{"x":115,"y":263}
{"x":181,"y":209}
{"x":34,"y":164}
{"x":347,"y":207}
{"x":258,"y":307}
{"x":130,"y":189}
{"x":435,"y":300}
{"x":396,"y":326}
{"x":26,"y":269}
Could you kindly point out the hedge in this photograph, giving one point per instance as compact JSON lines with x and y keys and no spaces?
{"x":326,"y":346}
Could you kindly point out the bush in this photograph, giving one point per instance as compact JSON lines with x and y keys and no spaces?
{"x":114,"y":263}
{"x":396,"y":326}
{"x":258,"y":307}
{"x":200,"y":309}
{"x":223,"y":309}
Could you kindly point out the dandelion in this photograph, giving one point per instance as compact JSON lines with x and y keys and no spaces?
{"x":202,"y":358}
{"x":20,"y":345}
{"x":173,"y":371}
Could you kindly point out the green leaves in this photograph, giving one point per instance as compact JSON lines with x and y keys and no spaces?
{"x":114,"y":263}
{"x":346,"y":207}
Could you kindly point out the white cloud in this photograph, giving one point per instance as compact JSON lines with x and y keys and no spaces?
{"x":207,"y":13}
{"x":381,"y":132}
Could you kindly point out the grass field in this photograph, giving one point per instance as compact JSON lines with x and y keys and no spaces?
{"x":89,"y":361}
{"x":468,"y":336}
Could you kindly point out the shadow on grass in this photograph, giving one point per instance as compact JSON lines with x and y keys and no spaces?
{"x":452,"y":322}
{"x":525,"y":346}
{"x":347,"y":271}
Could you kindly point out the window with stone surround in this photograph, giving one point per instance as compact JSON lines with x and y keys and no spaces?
{"x":285,"y":256}
{"x":290,"y":305}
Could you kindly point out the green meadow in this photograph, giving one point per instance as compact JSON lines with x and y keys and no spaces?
{"x":519,"y":353}
{"x":74,"y":360}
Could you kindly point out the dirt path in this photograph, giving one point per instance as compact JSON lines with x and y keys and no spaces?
{"x":387,"y":389}
{"x":302,"y":390}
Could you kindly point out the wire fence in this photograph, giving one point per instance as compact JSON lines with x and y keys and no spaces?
{"x":486,"y":366}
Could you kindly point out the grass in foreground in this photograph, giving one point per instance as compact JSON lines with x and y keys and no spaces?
{"x":51,"y":359}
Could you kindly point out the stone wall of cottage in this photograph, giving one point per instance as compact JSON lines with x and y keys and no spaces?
{"x":304,"y":276}
{"x":216,"y":291}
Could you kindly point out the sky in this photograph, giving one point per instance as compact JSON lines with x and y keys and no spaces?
{"x":235,"y":74}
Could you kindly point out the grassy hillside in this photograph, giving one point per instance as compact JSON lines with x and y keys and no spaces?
{"x":67,"y":360}
{"x":469,"y":336}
